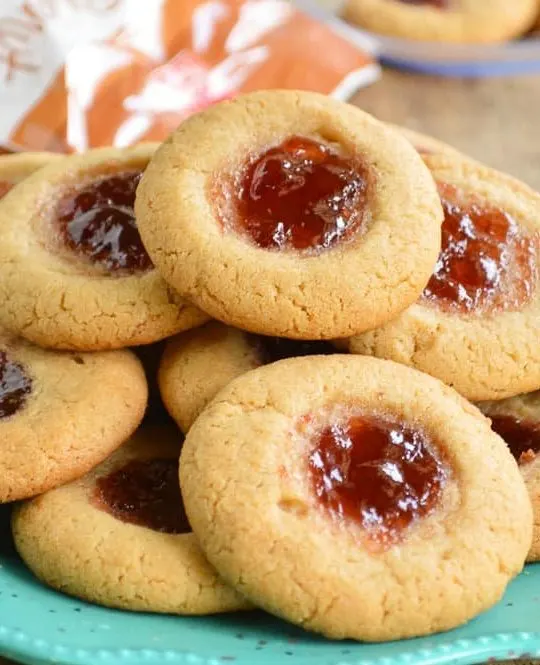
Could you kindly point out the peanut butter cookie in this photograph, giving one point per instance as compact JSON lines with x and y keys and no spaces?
{"x":120,"y":537}
{"x":355,"y":497}
{"x":291,"y":214}
{"x":477,"y":324}
{"x":460,"y":21}
{"x":74,"y":273}
{"x":62,"y":413}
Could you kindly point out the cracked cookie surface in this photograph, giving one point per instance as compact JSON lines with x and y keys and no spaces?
{"x":73,"y":272}
{"x":73,"y":543}
{"x":62,"y":413}
{"x":435,"y":546}
{"x":287,"y":213}
{"x":476,"y":326}
{"x":457,"y":21}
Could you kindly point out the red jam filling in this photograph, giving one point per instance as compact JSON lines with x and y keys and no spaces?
{"x":98,"y":222}
{"x":300,"y":195}
{"x":4,"y":187}
{"x":271,"y":349}
{"x":378,"y":472}
{"x":521,"y":436}
{"x":146,"y":493}
{"x":486,"y":263}
{"x":15,"y":386}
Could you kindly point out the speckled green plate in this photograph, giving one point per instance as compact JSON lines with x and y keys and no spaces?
{"x":38,"y":626}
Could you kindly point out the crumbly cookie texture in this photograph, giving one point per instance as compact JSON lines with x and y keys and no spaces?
{"x":355,"y":285}
{"x":18,"y":166}
{"x":466,"y":21}
{"x":79,"y":549}
{"x":56,"y":300}
{"x":79,"y":409}
{"x":491,"y":356}
{"x":243,"y":473}
{"x":525,"y":408}
{"x":198,"y":363}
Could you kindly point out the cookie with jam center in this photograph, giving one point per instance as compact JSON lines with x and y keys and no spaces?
{"x":74,"y":273}
{"x":517,"y":421}
{"x":476,"y":325}
{"x":291,"y":214}
{"x":119,"y":536}
{"x":197,"y":364}
{"x":381,"y":503}
{"x":452,"y":21}
{"x":62,"y":413}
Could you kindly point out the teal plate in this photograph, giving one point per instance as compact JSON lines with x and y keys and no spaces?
{"x":39,"y":626}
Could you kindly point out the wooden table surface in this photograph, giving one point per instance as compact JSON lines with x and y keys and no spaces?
{"x":494,"y":120}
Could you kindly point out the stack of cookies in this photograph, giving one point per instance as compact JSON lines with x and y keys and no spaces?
{"x":344,"y":301}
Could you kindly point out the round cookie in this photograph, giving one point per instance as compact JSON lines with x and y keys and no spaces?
{"x":280,"y":212}
{"x":381,"y":504}
{"x":476,"y":326}
{"x":453,"y":21}
{"x":119,"y":536}
{"x":197,"y":364}
{"x":517,"y":421}
{"x":62,"y":413}
{"x":73,"y":271}
{"x":18,"y":166}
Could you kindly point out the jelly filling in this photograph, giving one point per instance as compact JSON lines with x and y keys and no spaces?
{"x":15,"y":386}
{"x":146,"y":493}
{"x":378,"y":472}
{"x":486,"y":261}
{"x":521,"y":436}
{"x":98,"y":222}
{"x":300,"y":195}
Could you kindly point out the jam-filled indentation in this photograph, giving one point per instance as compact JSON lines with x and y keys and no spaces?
{"x":487,"y":262}
{"x":15,"y":386}
{"x":98,"y":223}
{"x":146,"y":493}
{"x":299,"y":195}
{"x":521,"y":436}
{"x":378,"y":472}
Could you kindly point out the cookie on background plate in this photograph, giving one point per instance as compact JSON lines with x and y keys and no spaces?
{"x":197,"y":364}
{"x":517,"y":421}
{"x":477,"y":324}
{"x":119,"y":536}
{"x":291,"y":214}
{"x":74,"y":273}
{"x":381,"y":504}
{"x":18,"y":166}
{"x":457,"y":21}
{"x":62,"y":413}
